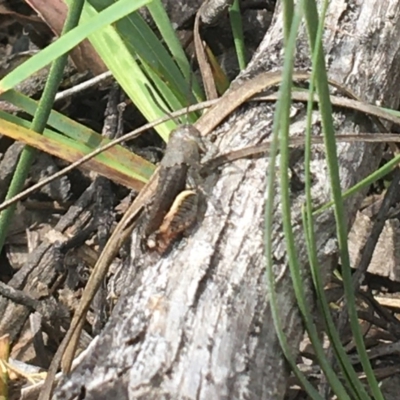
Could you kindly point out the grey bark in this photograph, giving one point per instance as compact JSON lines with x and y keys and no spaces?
{"x":196,"y":324}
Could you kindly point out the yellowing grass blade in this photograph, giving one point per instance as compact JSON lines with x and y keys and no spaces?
{"x":106,"y":164}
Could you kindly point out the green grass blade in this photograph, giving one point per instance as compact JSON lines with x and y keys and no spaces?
{"x":164,"y":26}
{"x":353,"y":383}
{"x":380,"y":173}
{"x":68,"y":41}
{"x":332,"y":160}
{"x":294,"y":265}
{"x":38,"y":123}
{"x":237,"y":31}
{"x":141,"y":49}
{"x":282,"y":104}
{"x":122,"y":167}
{"x":119,"y":157}
{"x":128,"y":72}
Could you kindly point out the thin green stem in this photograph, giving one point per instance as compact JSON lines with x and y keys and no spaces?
{"x":237,"y":31}
{"x":311,"y":14}
{"x":39,"y":121}
{"x":280,"y":125}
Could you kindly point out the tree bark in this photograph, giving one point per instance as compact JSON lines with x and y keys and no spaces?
{"x":196,"y":324}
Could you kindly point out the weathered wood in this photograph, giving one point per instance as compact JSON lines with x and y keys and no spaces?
{"x":197,"y":324}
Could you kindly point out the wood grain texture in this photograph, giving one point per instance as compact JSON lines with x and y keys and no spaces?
{"x":197,"y":324}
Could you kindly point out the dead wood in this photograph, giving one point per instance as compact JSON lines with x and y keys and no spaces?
{"x":42,"y":265}
{"x":197,"y":324}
